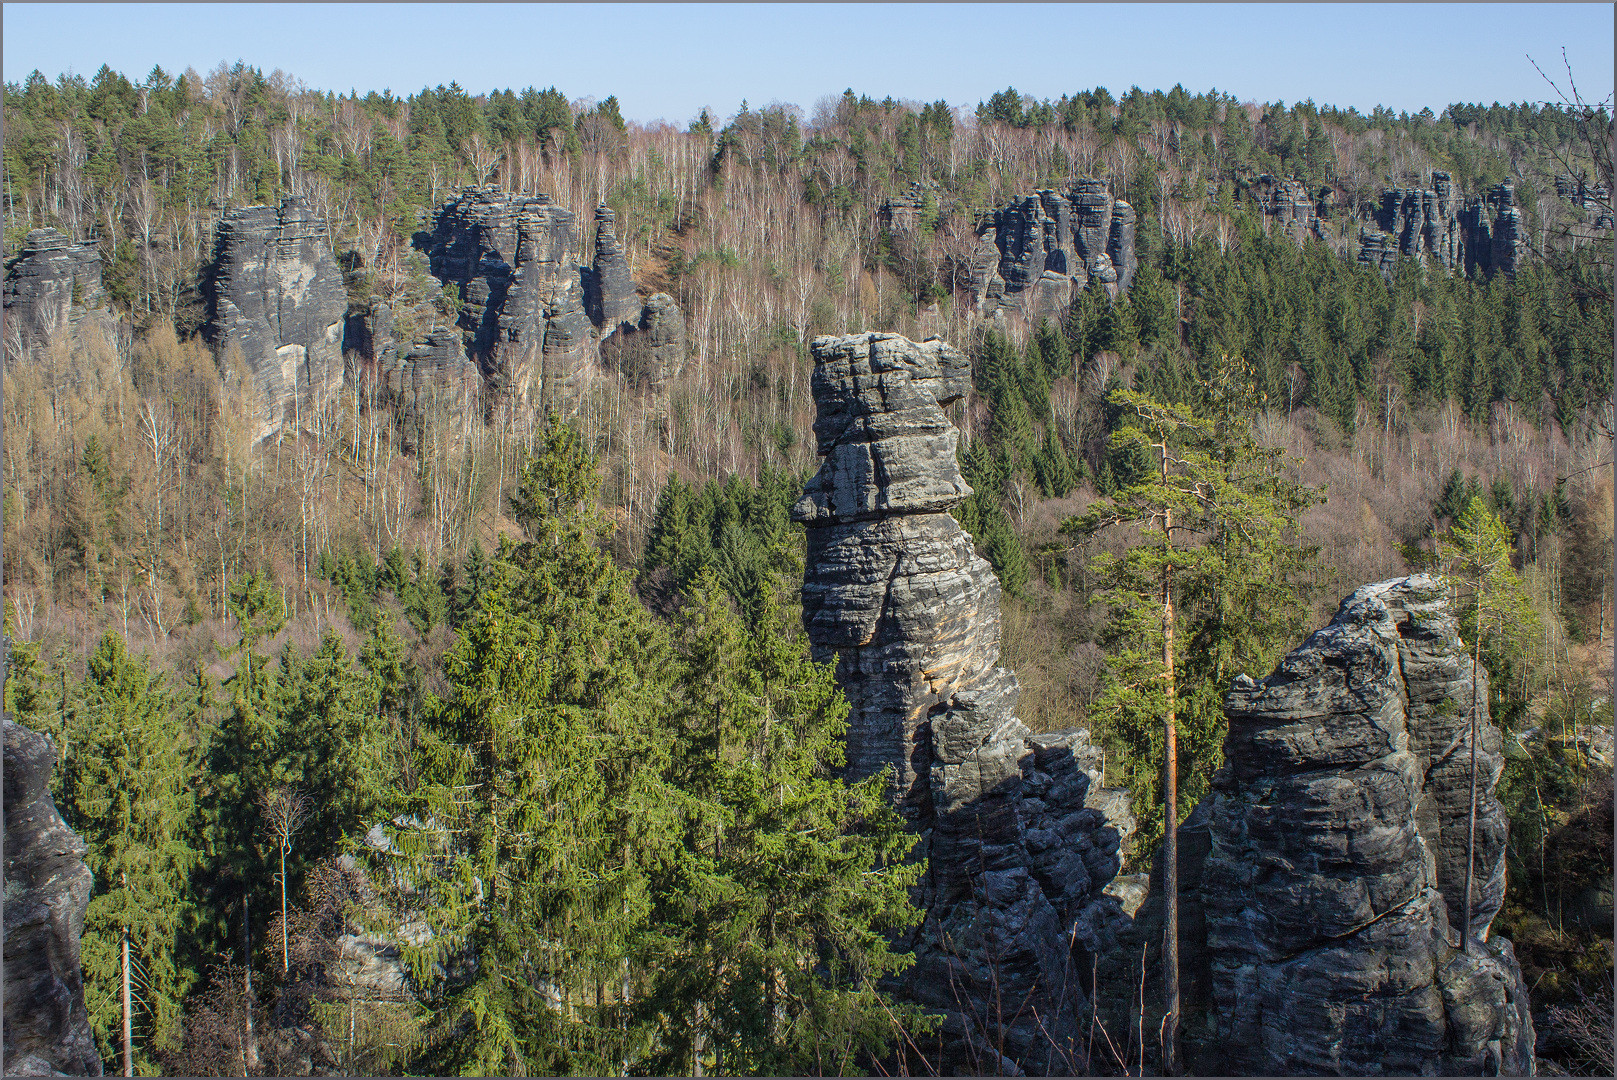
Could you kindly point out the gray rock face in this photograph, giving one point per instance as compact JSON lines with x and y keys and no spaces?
{"x":50,"y":287}
{"x":533,"y":318}
{"x":1323,"y":880}
{"x":1475,"y":236}
{"x":1033,"y":256}
{"x":609,"y":290}
{"x":514,"y":260}
{"x":1288,"y":202}
{"x":47,"y":889}
{"x":275,"y":292}
{"x":1020,"y":835}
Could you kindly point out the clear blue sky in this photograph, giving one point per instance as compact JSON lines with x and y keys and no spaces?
{"x":667,"y":61}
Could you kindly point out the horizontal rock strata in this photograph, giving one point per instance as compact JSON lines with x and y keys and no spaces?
{"x":50,"y":287}
{"x":1323,"y":880}
{"x":1021,"y":837}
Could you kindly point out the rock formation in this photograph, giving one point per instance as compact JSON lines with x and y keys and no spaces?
{"x":1323,"y":880}
{"x":1288,"y":202}
{"x":50,"y":287}
{"x":1477,"y":236}
{"x":1020,"y":835}
{"x":275,"y":292}
{"x":532,"y":316}
{"x":1033,"y":256}
{"x":47,"y":1029}
{"x":513,"y":259}
{"x":609,"y":290}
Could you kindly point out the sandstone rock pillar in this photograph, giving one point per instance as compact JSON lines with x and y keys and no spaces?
{"x":1020,"y":834}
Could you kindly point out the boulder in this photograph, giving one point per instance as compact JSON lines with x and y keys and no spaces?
{"x":47,"y":1030}
{"x":275,"y":292}
{"x":1021,"y":836}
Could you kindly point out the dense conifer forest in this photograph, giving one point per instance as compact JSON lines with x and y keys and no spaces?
{"x":537,"y":689}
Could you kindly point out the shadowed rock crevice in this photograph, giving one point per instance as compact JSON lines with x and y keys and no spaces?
{"x":1034,"y":256}
{"x":1020,"y":835}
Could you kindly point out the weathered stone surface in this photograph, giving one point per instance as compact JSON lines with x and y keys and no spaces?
{"x":47,"y":889}
{"x":50,"y":287}
{"x":533,"y":318}
{"x":1475,"y":236}
{"x":1288,"y":203}
{"x":514,"y":261}
{"x":1020,"y":836}
{"x":275,"y":292}
{"x":1323,"y":879}
{"x":1033,"y":256}
{"x":609,"y":290}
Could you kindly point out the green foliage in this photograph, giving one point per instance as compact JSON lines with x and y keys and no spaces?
{"x":774,"y":924}
{"x":130,"y":781}
{"x":740,"y":529}
{"x":539,"y":797}
{"x":1219,"y":565}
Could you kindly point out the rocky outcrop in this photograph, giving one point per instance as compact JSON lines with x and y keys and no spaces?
{"x":1033,"y":256}
{"x":47,"y":889}
{"x":1476,"y":236}
{"x":513,"y":259}
{"x":533,"y":318}
{"x":1020,"y":836}
{"x":50,"y":288}
{"x":1288,"y":203}
{"x":902,"y":213}
{"x":1323,"y":880}
{"x":275,"y":292}
{"x":609,"y":290}
{"x":651,"y":351}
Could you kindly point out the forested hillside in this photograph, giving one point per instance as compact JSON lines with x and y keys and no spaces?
{"x":348,"y":617}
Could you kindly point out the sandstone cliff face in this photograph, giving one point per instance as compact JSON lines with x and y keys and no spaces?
{"x":50,"y":288}
{"x":1433,"y":225}
{"x":609,"y":290}
{"x":533,"y":316}
{"x":1288,"y":202}
{"x":47,"y":889}
{"x":514,"y":261}
{"x":275,"y":292}
{"x":1323,"y":880}
{"x":1020,"y":836}
{"x":1033,"y":256}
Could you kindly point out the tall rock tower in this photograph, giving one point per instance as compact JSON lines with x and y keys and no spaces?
{"x":1020,"y":834}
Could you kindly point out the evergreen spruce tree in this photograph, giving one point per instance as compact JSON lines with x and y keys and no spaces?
{"x":776,"y":921}
{"x":539,"y":797}
{"x":132,"y":773}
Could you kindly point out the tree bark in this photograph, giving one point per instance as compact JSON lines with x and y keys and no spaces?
{"x":1170,"y":836}
{"x":1471,"y":825}
{"x":129,"y":1039}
